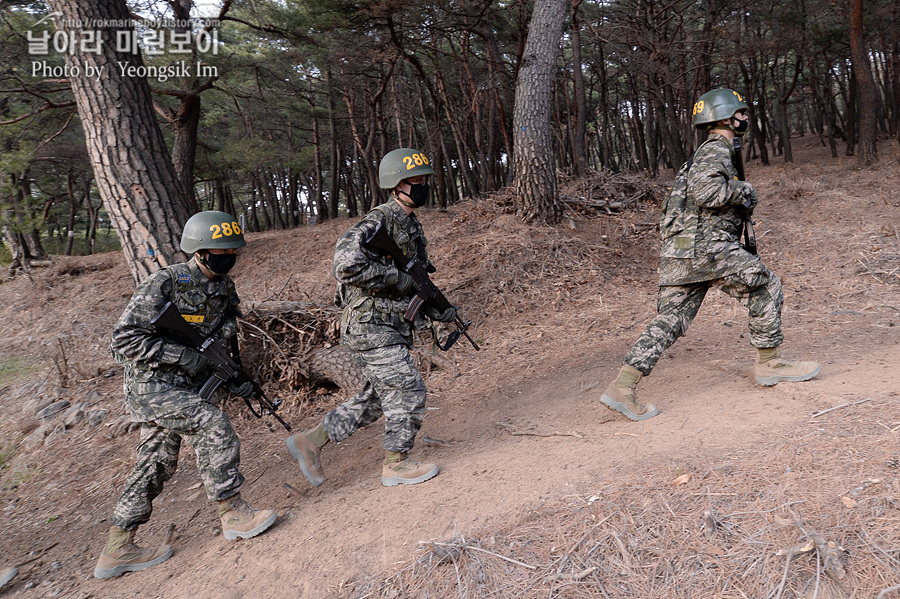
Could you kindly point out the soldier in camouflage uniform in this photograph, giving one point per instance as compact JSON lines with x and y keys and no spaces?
{"x":162,"y":378}
{"x":701,"y":224}
{"x":374,"y":294}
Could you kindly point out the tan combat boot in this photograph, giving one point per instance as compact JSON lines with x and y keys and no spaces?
{"x":240,"y":521}
{"x":620,"y":396}
{"x":121,"y":555}
{"x":771,"y":368}
{"x":306,"y":449}
{"x":400,"y":470}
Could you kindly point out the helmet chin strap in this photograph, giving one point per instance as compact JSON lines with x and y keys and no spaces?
{"x":202,"y":261}
{"x":201,"y":257}
{"x":730,"y":126}
{"x":408,"y":202}
{"x":738,"y":132}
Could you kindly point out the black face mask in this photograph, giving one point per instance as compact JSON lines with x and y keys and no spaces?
{"x":741,"y":127}
{"x":220,"y":264}
{"x":418,"y":193}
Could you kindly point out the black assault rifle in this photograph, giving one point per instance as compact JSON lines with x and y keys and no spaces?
{"x":169,"y":320}
{"x":749,"y":235}
{"x":426,"y":291}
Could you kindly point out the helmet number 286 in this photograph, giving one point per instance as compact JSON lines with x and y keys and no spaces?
{"x":225,"y":230}
{"x":414,"y":160}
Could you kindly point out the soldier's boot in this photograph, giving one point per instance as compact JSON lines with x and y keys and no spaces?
{"x":620,"y":396}
{"x":307,"y":449}
{"x":401,"y":470}
{"x":121,"y":555}
{"x":771,"y":368}
{"x":240,"y":521}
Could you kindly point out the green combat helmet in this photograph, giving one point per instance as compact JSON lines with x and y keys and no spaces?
{"x":211,"y":230}
{"x":401,"y":164}
{"x":716,"y":105}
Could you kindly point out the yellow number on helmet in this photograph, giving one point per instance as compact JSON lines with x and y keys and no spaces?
{"x":236,"y":228}
{"x":226,"y":229}
{"x":698,"y":107}
{"x":740,"y":99}
{"x":216,"y":231}
{"x":409,"y":163}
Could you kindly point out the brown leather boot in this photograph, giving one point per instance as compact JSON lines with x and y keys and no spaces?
{"x":620,"y":396}
{"x":240,"y":521}
{"x":121,"y":555}
{"x":400,"y":470}
{"x":771,"y":368}
{"x":307,"y":449}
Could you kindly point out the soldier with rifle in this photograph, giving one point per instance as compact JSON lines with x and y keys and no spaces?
{"x":703,"y":219}
{"x":382,"y":267}
{"x":163,"y":381}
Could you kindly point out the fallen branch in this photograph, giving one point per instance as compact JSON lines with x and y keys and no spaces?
{"x":459,"y":547}
{"x":577,"y":576}
{"x":436,"y":442}
{"x":846,"y":405}
{"x":888,"y":590}
{"x":531,"y":431}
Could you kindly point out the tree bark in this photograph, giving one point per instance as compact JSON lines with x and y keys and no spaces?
{"x":74,"y":207}
{"x":579,"y":158}
{"x":132,"y":166}
{"x":867,"y":152}
{"x":537,"y":197}
{"x":334,"y":184}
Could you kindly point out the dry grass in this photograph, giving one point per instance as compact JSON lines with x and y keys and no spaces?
{"x":811,"y":515}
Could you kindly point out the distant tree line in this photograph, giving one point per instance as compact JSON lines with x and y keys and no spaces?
{"x":287,"y":117}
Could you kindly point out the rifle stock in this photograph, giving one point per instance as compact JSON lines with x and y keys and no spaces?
{"x":169,"y":320}
{"x":427,"y":292}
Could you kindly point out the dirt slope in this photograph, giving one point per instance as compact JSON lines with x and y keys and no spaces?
{"x":515,"y":426}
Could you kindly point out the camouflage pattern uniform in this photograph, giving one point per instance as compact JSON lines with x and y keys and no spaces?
{"x":701,"y":249}
{"x":373,"y":326}
{"x":163,"y":397}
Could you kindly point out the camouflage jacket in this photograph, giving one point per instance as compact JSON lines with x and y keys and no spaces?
{"x":367,"y":280}
{"x":151,"y":360}
{"x":701,"y":219}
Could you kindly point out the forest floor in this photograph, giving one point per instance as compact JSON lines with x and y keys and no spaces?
{"x":734,"y":490}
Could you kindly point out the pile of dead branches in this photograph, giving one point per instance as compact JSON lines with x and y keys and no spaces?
{"x":602,"y":192}
{"x":281,"y":340}
{"x":608,"y":192}
{"x":816,"y":515}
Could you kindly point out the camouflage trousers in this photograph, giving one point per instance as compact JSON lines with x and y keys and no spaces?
{"x":677,"y":305}
{"x":394,"y":388}
{"x":208,"y":431}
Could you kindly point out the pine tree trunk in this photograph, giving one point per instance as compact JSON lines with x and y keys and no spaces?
{"x":537,"y":198}
{"x":867,"y":152}
{"x":579,"y":157}
{"x":131,"y":163}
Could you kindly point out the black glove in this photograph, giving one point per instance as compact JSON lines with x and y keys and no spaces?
{"x":405,"y":283}
{"x":448,"y":315}
{"x":193,"y":362}
{"x":244,"y":390}
{"x":745,"y":195}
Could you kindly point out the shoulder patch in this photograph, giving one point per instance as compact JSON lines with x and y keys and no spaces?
{"x":184,"y":277}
